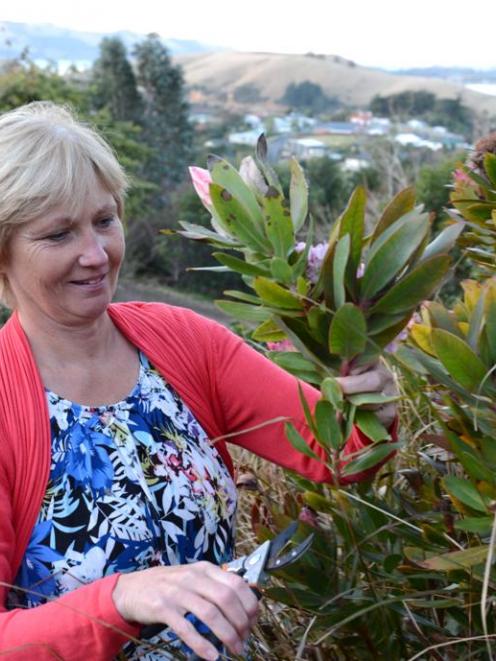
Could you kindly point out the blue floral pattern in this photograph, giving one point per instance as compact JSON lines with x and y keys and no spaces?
{"x":132,"y":485}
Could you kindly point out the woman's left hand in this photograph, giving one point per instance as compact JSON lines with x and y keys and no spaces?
{"x":375,"y":378}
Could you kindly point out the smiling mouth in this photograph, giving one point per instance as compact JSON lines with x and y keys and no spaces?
{"x":90,"y":281}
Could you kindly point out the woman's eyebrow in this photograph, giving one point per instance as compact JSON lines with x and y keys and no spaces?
{"x":106,"y":208}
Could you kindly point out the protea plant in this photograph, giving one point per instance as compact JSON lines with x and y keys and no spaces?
{"x":474,"y":199}
{"x":365,"y":294}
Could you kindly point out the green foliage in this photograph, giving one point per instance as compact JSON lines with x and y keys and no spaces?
{"x":420,"y":104}
{"x":396,"y":571}
{"x":474,"y":198}
{"x":24,"y":82}
{"x":308,"y":97}
{"x":247,"y":93}
{"x":114,"y":83}
{"x":345,"y":318}
{"x":165,"y":117}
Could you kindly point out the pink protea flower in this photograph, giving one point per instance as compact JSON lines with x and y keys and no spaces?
{"x":316,"y":256}
{"x":461,"y":177}
{"x":201,"y":181}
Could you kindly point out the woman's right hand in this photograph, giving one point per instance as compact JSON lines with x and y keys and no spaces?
{"x":221,"y":600}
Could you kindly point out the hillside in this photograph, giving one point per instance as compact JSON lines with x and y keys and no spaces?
{"x":216,"y":75}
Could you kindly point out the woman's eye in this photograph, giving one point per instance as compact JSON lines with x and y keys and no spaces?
{"x":57,"y":236}
{"x":106,"y":222}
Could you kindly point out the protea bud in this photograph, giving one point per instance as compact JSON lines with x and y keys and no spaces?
{"x":201,"y":181}
{"x":252,"y":176}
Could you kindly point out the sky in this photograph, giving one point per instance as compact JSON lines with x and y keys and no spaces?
{"x":383,"y":33}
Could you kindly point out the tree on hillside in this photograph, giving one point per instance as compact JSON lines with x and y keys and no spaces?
{"x":307,"y":97}
{"x":166,"y":128}
{"x":114,"y":83}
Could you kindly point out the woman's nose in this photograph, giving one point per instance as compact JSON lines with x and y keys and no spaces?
{"x":93,"y":250}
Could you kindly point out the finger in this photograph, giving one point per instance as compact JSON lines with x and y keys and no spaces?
{"x":364,"y":368}
{"x":386,"y":414}
{"x":367,"y":382}
{"x":235,"y":599}
{"x":186,"y":631}
{"x":212,"y":616}
{"x":247,"y":598}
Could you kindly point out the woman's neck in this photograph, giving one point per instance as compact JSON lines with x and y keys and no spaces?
{"x":55,"y":344}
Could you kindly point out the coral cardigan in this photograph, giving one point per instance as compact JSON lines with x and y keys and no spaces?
{"x":229,"y":387}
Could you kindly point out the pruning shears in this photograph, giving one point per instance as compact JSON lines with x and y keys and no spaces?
{"x":255,"y":568}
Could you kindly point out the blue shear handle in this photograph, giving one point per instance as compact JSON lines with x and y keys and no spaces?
{"x":152,"y":630}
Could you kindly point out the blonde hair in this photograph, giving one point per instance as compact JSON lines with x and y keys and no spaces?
{"x":49,"y":158}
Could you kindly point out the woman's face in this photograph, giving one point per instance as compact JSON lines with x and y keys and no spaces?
{"x":64,"y":268}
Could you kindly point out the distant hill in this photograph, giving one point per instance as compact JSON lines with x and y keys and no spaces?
{"x":216,"y":76}
{"x":49,"y":43}
{"x":459,"y":74}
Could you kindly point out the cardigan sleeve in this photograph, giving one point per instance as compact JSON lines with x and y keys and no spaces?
{"x":62,"y":628}
{"x":253,"y":391}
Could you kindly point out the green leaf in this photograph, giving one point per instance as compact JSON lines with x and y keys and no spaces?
{"x":239,"y":265}
{"x":328,"y":429}
{"x":490,"y":167}
{"x":306,"y":410}
{"x":275,"y":295}
{"x":400,"y":205}
{"x":300,"y":265}
{"x":236,"y":220}
{"x":368,"y":423}
{"x":348,"y":332}
{"x":317,"y":502}
{"x":268,"y":331}
{"x":296,"y":364}
{"x":298,"y":442}
{"x":480,"y":525}
{"x":414,"y":287}
{"x":242,"y":296}
{"x":200,"y":233}
{"x":269,"y":174}
{"x":475,"y":466}
{"x":341,"y":255}
{"x":437,"y":371}
{"x":459,"y":360}
{"x":352,"y":222}
{"x":465,"y":559}
{"x":364,"y":398}
{"x":281,"y":270}
{"x":389,"y":254}
{"x":243,"y":311}
{"x":224,"y":175}
{"x":476,"y":322}
{"x":440,"y":317}
{"x":444,"y":241}
{"x":491,"y":325}
{"x":278,"y":223}
{"x":333,"y":392}
{"x":379,"y":322}
{"x":298,"y":195}
{"x":465,"y":492}
{"x":370,"y":457}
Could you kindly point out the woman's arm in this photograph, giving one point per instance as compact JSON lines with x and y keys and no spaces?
{"x":253,"y":390}
{"x":82,"y":625}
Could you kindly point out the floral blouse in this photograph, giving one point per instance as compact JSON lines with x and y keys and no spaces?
{"x":132,"y":485}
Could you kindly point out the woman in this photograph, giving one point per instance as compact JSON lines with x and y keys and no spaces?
{"x":115,"y":509}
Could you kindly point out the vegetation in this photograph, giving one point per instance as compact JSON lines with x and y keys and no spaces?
{"x":451,"y":113}
{"x":401,"y":567}
{"x":308,"y":97}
